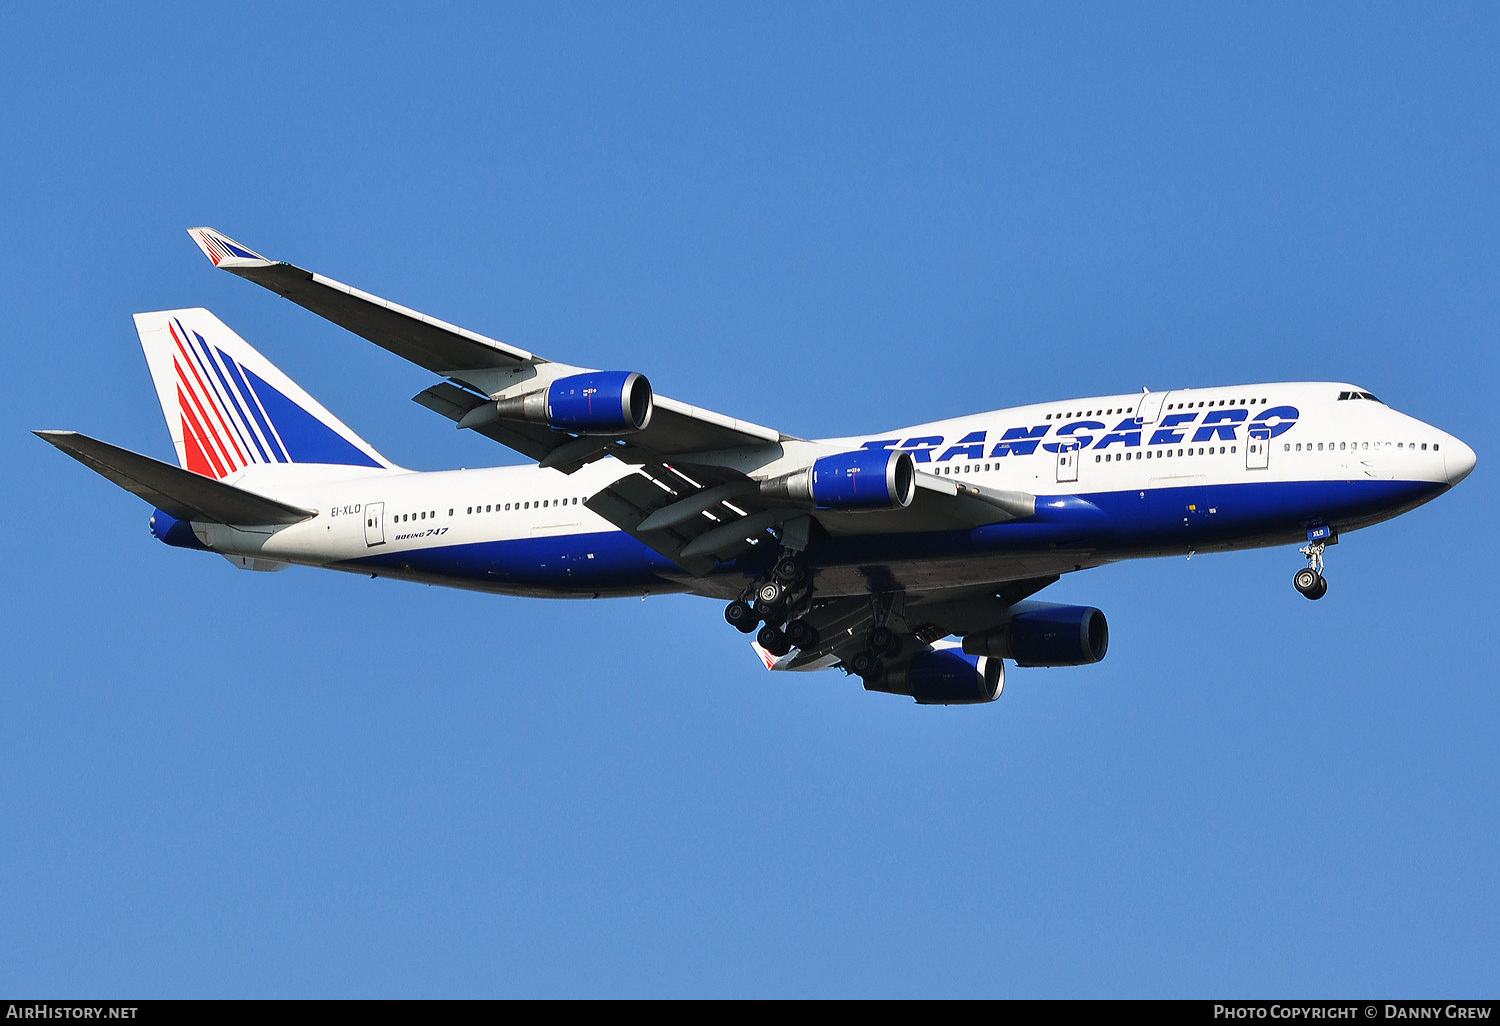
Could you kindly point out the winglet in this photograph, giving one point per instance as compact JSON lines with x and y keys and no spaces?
{"x":224,"y":251}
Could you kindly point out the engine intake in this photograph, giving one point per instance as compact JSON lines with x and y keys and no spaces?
{"x":945,"y":677}
{"x":1046,"y":634}
{"x":596,"y":403}
{"x":861,"y":480}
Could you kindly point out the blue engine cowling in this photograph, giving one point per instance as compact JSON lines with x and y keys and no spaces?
{"x":176,"y":532}
{"x":600,"y":403}
{"x":1045,"y":634}
{"x":863,"y":479}
{"x":944,"y":677}
{"x":849,"y":482}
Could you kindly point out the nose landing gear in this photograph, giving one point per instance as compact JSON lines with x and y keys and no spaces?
{"x":1310,"y":581}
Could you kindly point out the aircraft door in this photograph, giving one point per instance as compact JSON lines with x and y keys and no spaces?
{"x":1067,"y":462}
{"x":1258,"y":448}
{"x":1150,"y":406}
{"x":374,"y":523}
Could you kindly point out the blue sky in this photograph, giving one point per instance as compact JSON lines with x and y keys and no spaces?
{"x":828,"y":218}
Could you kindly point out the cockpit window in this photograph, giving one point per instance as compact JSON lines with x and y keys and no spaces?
{"x":1359,"y":395}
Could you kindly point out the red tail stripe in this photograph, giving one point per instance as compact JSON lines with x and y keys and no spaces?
{"x":228,"y":431}
{"x":204,"y":426}
{"x":193,"y":432}
{"x":208,"y":395}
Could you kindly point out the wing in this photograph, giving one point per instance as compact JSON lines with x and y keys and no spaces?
{"x":700,"y":491}
{"x":489,"y":367}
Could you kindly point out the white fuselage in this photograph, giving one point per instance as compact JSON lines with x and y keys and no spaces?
{"x":1191,"y":469}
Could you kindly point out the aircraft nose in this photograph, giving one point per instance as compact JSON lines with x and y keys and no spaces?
{"x":1458,"y":460}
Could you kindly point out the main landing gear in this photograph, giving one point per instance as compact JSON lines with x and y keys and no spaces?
{"x":776,"y":601}
{"x":881,"y":642}
{"x":1310,"y":580}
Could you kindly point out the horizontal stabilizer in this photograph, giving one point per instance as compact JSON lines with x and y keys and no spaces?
{"x":178,"y":493}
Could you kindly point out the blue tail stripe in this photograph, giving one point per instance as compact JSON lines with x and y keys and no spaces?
{"x":232,"y":394}
{"x":307,"y":439}
{"x":253,"y":401}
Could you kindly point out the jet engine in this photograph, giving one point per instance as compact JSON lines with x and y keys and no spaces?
{"x":861,"y":480}
{"x":596,"y":403}
{"x":1046,"y":634}
{"x":944,"y":677}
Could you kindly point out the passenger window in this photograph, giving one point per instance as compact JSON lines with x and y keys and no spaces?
{"x":1434,"y":447}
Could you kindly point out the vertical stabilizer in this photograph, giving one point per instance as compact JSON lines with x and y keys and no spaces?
{"x":227,"y":406}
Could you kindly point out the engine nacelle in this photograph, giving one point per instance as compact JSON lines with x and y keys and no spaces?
{"x":850,"y":481}
{"x":1045,"y":634}
{"x":176,"y":532}
{"x":596,"y":403}
{"x":945,"y":677}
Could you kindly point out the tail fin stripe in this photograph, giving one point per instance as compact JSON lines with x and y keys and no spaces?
{"x":194,"y":442}
{"x":279,"y":451}
{"x":198,"y":398}
{"x":193,"y":417}
{"x":210,"y":394}
{"x":242,"y":421}
{"x":243,"y":392}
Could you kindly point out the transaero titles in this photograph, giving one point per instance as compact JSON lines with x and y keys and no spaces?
{"x":1216,"y":425}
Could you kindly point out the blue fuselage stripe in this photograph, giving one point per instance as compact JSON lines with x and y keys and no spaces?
{"x":1113,"y":524}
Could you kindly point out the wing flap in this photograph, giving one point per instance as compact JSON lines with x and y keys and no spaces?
{"x":178,"y":493}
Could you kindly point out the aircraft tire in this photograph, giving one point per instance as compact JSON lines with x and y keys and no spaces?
{"x":774,"y":640}
{"x":741,"y":617}
{"x":1306,"y":581}
{"x":802,"y":634}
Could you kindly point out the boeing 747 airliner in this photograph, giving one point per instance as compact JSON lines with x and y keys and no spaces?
{"x":871,"y":553}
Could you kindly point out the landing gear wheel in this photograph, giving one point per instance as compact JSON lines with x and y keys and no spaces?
{"x":864,"y":664}
{"x":802,"y":634}
{"x":770,"y":594}
{"x":788,"y":570}
{"x":884,"y":641}
{"x":1310,"y":583}
{"x":740,"y":616}
{"x":774,"y":640}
